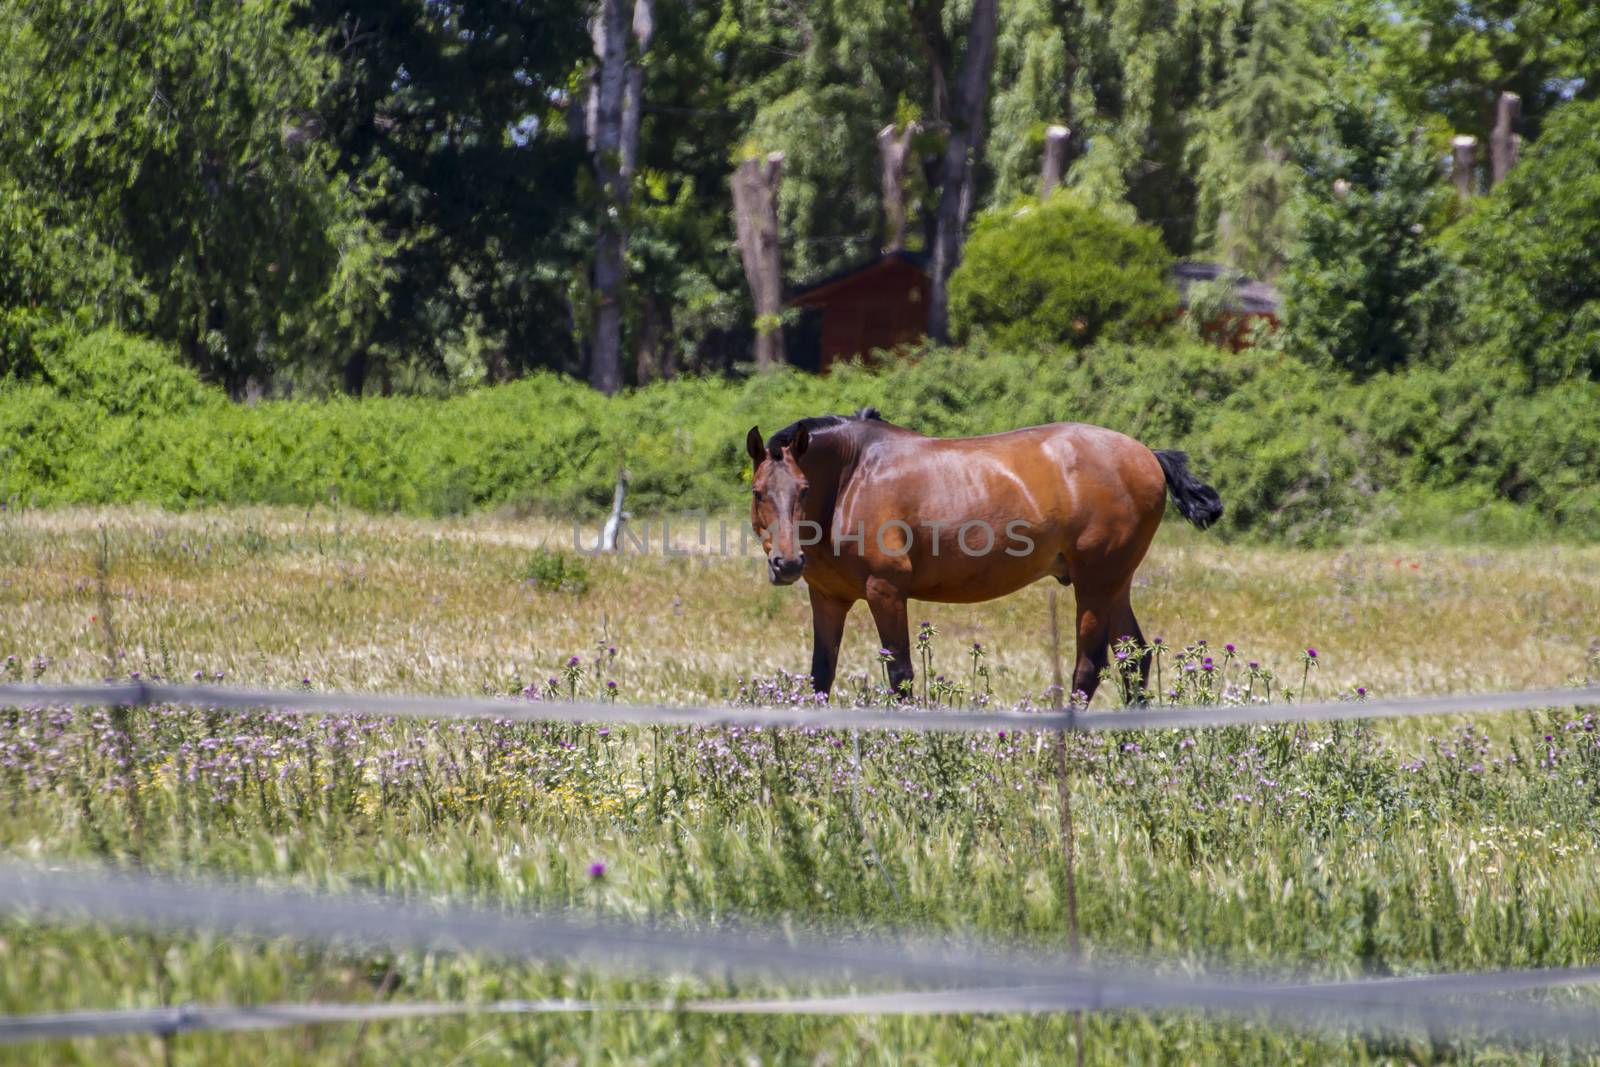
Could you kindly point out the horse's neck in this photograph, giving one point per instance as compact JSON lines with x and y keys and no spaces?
{"x":829,"y":462}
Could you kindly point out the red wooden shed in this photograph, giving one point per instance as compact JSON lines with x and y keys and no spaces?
{"x":883,"y":304}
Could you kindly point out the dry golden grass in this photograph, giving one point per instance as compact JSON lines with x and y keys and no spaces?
{"x":356,"y":601}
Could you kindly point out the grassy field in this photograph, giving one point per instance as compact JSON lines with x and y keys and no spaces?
{"x":1341,"y":850}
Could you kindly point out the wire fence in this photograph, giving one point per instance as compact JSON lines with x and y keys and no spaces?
{"x":979,"y":979}
{"x":822,"y":717}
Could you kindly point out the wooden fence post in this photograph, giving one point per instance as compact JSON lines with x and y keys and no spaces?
{"x":1055,"y":159}
{"x":1464,"y":164}
{"x":893,"y":147}
{"x":1503,"y":141}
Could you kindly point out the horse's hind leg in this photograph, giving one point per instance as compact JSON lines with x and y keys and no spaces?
{"x":1094,"y":631}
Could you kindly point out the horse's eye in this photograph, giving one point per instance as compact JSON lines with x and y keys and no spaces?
{"x":759,"y":495}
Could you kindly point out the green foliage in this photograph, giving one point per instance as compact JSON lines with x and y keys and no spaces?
{"x":1299,"y":453}
{"x":1444,"y":61}
{"x":123,"y":375}
{"x":555,"y":571}
{"x":1243,"y":175}
{"x":1529,"y":250}
{"x":1367,"y":290}
{"x":189,"y":172}
{"x":1060,"y":272}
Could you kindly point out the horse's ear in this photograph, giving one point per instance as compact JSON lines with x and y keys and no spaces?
{"x":754,"y":445}
{"x":801,"y":440}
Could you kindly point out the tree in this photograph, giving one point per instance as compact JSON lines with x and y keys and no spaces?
{"x":1060,"y":273}
{"x":464,"y":116}
{"x":967,"y":123}
{"x":1534,"y":296}
{"x":1243,"y":176}
{"x":1367,"y":288}
{"x":1448,"y":60}
{"x":180,"y":141}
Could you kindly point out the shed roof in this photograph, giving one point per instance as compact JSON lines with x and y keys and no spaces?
{"x":1249,"y":295}
{"x":813,"y":290}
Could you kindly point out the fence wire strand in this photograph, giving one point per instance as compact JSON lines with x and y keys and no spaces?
{"x":978,"y":979}
{"x":822,"y":717}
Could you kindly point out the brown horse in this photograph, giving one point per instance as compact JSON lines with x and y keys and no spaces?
{"x":867,"y":510}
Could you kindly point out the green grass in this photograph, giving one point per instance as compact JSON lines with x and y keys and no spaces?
{"x":1337,"y":850}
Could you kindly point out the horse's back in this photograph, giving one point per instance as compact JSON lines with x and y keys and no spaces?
{"x":1084,"y":495}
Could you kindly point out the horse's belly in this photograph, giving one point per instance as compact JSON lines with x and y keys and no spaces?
{"x":976,"y":579}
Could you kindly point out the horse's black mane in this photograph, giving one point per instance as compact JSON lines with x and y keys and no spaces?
{"x":785,"y":437}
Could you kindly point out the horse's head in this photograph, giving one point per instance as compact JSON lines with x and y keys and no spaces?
{"x":777,"y":504}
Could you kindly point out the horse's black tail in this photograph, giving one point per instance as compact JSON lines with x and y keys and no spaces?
{"x":1197,"y":501}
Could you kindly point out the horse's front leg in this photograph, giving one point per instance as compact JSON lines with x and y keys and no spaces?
{"x":888,"y":606}
{"x":827,"y":630}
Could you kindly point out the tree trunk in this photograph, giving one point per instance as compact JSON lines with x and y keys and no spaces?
{"x":1503,"y":141}
{"x":968,"y":111}
{"x":615,"y":98}
{"x":892,"y":149}
{"x":1464,"y":164}
{"x":1055,"y":159}
{"x":650,"y":354}
{"x":755,"y":216}
{"x":355,"y":372}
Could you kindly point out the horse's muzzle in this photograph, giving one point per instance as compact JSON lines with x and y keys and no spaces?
{"x":785,"y":570}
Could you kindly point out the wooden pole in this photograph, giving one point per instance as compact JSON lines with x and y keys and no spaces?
{"x":1064,"y":801}
{"x":1503,"y":141}
{"x":1464,"y":164}
{"x":893,"y":146}
{"x":613,"y":528}
{"x":1055,"y":159}
{"x":755,"y":215}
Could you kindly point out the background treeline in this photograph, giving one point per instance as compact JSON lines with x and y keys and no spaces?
{"x":225,"y":200}
{"x":416,"y":195}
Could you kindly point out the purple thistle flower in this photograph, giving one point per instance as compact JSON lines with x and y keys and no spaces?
{"x":1229,"y":649}
{"x":1311,"y":653}
{"x":574,"y":661}
{"x":597,"y":869}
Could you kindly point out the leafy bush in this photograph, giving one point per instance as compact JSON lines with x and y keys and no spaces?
{"x":1060,"y":272}
{"x":1299,"y":453}
{"x":1367,"y":290}
{"x":123,"y":375}
{"x":1535,"y":299}
{"x":555,"y":571}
